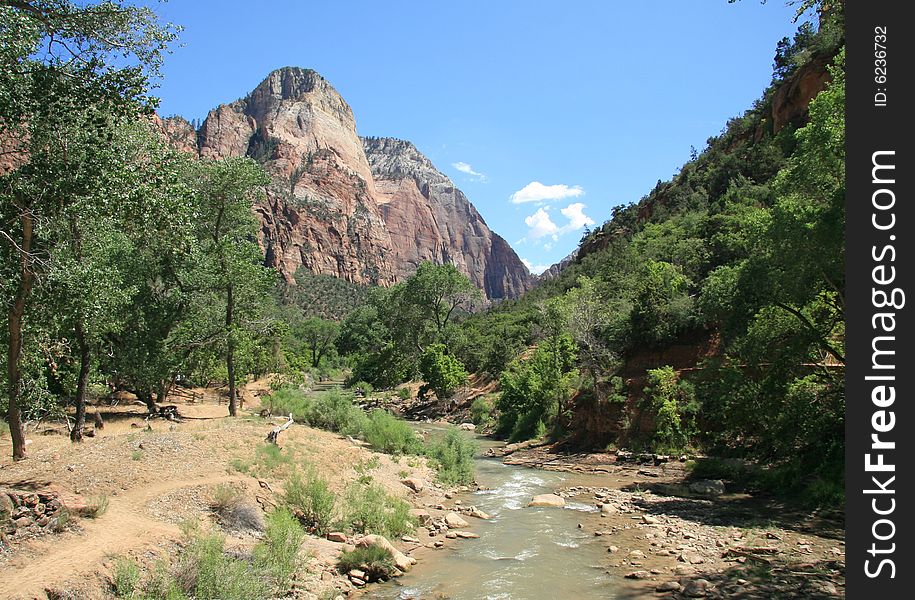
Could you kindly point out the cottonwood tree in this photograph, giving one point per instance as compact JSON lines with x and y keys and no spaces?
{"x":230,"y":282}
{"x":56,"y":59}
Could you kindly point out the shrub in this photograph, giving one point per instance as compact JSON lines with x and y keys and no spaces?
{"x":675,"y":406}
{"x":126,"y":578}
{"x":278,"y":553}
{"x":481,"y":411}
{"x":376,"y":561}
{"x":207,"y":573}
{"x":534,"y":389}
{"x":386,"y":433}
{"x":369,"y":509}
{"x":224,"y":498}
{"x":363,"y":387}
{"x":310,"y":499}
{"x":442,"y":372}
{"x":332,"y":410}
{"x":4,"y":429}
{"x":404,"y":393}
{"x":163,"y":585}
{"x":95,"y":507}
{"x":453,"y":457}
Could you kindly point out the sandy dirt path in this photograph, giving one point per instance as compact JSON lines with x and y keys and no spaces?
{"x":123,"y":527}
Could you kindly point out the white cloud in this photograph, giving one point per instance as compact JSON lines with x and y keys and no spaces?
{"x":577,"y":218}
{"x":466,"y":168}
{"x":540,"y":224}
{"x":535,"y":269}
{"x":537,"y":192}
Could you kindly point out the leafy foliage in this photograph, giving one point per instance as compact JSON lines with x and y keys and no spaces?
{"x":453,"y":455}
{"x":442,"y":372}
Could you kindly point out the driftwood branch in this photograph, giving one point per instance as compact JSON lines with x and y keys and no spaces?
{"x":275,"y":432}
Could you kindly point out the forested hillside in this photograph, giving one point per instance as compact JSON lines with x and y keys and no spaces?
{"x":708,"y":315}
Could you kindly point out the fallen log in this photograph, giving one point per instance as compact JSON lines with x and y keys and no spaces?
{"x":275,"y":432}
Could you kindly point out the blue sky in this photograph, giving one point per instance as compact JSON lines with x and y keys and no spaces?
{"x":546,"y":114}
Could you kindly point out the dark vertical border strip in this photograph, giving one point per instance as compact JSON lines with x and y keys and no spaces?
{"x":879,"y":267}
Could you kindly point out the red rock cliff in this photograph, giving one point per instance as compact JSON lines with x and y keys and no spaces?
{"x":367,"y":212}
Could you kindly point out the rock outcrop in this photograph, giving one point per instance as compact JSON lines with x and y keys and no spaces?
{"x":429,"y":219}
{"x":366,"y":211}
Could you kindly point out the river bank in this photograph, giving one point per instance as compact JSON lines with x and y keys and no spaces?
{"x":629,"y":529}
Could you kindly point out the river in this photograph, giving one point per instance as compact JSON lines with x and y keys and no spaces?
{"x":522,"y":553}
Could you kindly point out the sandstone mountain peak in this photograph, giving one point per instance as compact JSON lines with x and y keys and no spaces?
{"x":367,"y":210}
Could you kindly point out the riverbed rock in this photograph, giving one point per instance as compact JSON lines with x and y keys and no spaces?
{"x":473,"y":511}
{"x":454,"y":521}
{"x":669,"y":586}
{"x":638,"y":575}
{"x":401,"y":560}
{"x":467,"y":535}
{"x":697,"y":588}
{"x":421,"y":515}
{"x":608,"y":509}
{"x":707,"y":487}
{"x":549,"y":500}
{"x":467,"y":427}
{"x":336,"y":536}
{"x":414,"y":483}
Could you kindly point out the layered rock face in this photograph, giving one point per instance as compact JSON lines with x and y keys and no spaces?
{"x":429,"y":219}
{"x":367,"y":213}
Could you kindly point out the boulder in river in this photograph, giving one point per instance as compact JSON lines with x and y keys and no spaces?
{"x":551,"y":500}
{"x":454,"y":521}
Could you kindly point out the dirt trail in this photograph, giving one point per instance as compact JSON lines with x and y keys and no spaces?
{"x":123,"y":527}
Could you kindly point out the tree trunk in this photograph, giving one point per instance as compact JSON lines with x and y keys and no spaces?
{"x":14,"y":349}
{"x":76,"y":434}
{"x":147,"y":398}
{"x":230,"y":351}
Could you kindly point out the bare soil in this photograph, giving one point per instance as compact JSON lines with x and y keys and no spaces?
{"x":157,"y":474}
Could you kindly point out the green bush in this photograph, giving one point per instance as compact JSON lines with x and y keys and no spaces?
{"x":277,"y":554}
{"x":453,"y":457}
{"x":386,"y":433}
{"x":126,"y":578}
{"x":332,"y":410}
{"x":376,"y":561}
{"x":309,"y":497}
{"x":403,"y":393}
{"x":369,"y":509}
{"x":363,"y":387}
{"x":442,"y":372}
{"x":206,"y":572}
{"x":4,"y":429}
{"x":675,"y":406}
{"x":481,"y":411}
{"x":535,"y":389}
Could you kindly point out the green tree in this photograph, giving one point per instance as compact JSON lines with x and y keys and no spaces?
{"x":536,"y":389}
{"x":318,"y":336}
{"x":231,"y":282}
{"x":673,"y":402}
{"x":435,"y":293}
{"x":81,"y":68}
